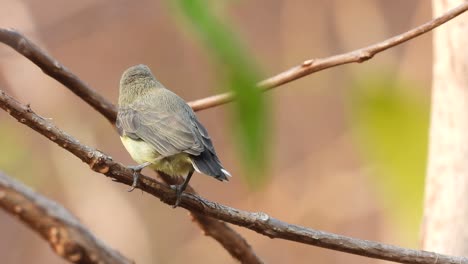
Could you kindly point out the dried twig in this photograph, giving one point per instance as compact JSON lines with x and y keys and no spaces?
{"x":234,"y":243}
{"x":259,"y":222}
{"x":57,"y":71}
{"x":54,"y":69}
{"x":65,"y":234}
{"x":315,"y":65}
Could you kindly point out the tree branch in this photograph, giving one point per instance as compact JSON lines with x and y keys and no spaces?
{"x":54,"y":69}
{"x":259,"y":222}
{"x":60,"y":73}
{"x":315,"y":65}
{"x":234,"y":243}
{"x":65,"y":234}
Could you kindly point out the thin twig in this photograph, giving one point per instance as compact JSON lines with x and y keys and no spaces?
{"x":235,"y":244}
{"x":314,"y":65}
{"x":232,"y":241}
{"x":259,"y":222}
{"x":65,"y":234}
{"x":57,"y":71}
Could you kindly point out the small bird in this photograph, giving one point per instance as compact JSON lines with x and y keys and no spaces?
{"x":161,"y":131}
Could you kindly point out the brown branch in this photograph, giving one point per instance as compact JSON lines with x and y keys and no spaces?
{"x":315,"y":65}
{"x":54,"y":69}
{"x":235,"y":244}
{"x":232,"y":241}
{"x":259,"y":222}
{"x":67,"y":237}
{"x":57,"y":71}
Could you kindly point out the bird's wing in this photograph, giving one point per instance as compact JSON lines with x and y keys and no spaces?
{"x":204,"y":135}
{"x":168,"y":133}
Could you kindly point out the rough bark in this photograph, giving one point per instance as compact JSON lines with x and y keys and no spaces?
{"x":62,"y":230}
{"x":256,"y":221}
{"x":446,"y":199}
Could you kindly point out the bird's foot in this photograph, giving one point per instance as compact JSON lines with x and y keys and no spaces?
{"x":136,"y":174}
{"x":179,"y":190}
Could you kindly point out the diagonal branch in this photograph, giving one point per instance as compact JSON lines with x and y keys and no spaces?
{"x":53,"y":68}
{"x":60,"y":73}
{"x":232,"y":241}
{"x":65,"y":234}
{"x":315,"y":65}
{"x":235,"y":244}
{"x":259,"y":222}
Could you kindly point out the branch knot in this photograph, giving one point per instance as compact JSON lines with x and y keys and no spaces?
{"x":98,"y":162}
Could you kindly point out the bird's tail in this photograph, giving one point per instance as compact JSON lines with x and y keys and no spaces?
{"x":208,"y":163}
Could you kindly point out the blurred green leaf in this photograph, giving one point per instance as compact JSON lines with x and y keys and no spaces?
{"x":241,"y":76}
{"x":391,"y":123}
{"x":16,"y":157}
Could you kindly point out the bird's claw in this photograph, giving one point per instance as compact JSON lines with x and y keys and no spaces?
{"x":136,"y":176}
{"x":179,"y":191}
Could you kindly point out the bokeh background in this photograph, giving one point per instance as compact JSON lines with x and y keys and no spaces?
{"x":347,"y":145}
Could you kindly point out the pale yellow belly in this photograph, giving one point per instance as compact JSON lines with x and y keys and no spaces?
{"x":141,"y":152}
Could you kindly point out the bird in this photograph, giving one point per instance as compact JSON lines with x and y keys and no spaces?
{"x":161,"y":131}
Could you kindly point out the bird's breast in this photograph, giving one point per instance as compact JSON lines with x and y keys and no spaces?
{"x":141,"y":152}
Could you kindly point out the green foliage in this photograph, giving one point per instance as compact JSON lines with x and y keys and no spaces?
{"x":391,"y":123}
{"x":15,"y":159}
{"x":241,"y":76}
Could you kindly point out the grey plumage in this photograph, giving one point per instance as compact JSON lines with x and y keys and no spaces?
{"x":150,"y":113}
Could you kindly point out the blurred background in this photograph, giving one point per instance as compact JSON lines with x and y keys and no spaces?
{"x":347,"y":146}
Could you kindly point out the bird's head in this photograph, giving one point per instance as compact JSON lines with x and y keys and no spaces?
{"x":136,"y":81}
